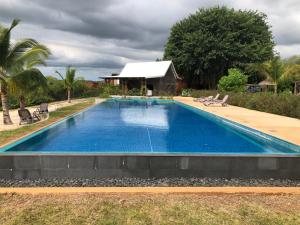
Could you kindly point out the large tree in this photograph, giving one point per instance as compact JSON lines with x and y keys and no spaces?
{"x":16,"y":65}
{"x":206,"y":44}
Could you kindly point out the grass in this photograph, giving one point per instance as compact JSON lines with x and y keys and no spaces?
{"x":149,"y":209}
{"x":10,"y":135}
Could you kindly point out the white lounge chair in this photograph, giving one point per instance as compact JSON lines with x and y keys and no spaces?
{"x":222,"y":102}
{"x":209,"y":98}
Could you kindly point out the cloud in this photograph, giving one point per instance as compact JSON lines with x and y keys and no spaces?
{"x":103,"y":35}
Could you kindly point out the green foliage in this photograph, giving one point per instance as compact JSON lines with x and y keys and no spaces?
{"x":55,"y":91}
{"x":203,"y":93}
{"x":81,"y":90}
{"x":16,"y":67}
{"x":107,"y":89}
{"x":69,"y":79}
{"x":209,"y":42}
{"x":289,"y":77}
{"x":275,"y":69}
{"x":285,"y":85}
{"x":235,"y":81}
{"x":27,"y":81}
{"x":292,"y":60}
{"x":256,"y":72}
{"x":186,"y":92}
{"x":283,"y":103}
{"x":134,"y":92}
{"x":56,"y":88}
{"x":292,"y":73}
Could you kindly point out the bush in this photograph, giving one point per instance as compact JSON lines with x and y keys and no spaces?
{"x":186,"y":92}
{"x":134,"y":92}
{"x":107,"y":89}
{"x":284,"y":103}
{"x":234,"y":82}
{"x":203,"y":93}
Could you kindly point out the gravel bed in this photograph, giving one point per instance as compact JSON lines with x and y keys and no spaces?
{"x":153,"y":182}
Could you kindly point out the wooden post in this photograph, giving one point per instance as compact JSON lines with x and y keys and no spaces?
{"x":125,"y":86}
{"x":143,"y":86}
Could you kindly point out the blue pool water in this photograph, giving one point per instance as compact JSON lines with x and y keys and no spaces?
{"x":148,"y":127}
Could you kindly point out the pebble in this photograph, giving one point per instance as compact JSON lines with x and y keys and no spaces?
{"x":153,"y":182}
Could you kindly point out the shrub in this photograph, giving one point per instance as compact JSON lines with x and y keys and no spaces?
{"x":283,"y":103}
{"x":203,"y":93}
{"x":134,"y":92}
{"x":186,"y":92}
{"x":234,"y":82}
{"x":107,"y":89}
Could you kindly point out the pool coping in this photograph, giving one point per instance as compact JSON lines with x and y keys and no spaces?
{"x":240,"y":127}
{"x":151,"y":190}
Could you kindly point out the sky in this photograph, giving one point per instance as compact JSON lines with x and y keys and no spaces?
{"x":99,"y":37}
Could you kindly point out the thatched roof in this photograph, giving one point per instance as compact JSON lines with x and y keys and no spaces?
{"x":266,"y":83}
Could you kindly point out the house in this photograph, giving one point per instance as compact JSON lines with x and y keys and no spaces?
{"x":112,"y":80}
{"x":159,"y":76}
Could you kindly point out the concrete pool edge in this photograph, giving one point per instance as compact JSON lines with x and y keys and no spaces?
{"x":97,"y":166}
{"x":65,"y":166}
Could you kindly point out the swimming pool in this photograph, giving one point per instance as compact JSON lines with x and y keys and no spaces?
{"x":141,"y":126}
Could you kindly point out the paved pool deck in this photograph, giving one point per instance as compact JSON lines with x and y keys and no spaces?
{"x":282,"y":127}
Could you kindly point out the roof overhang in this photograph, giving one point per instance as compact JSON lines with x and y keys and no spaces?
{"x":146,"y":70}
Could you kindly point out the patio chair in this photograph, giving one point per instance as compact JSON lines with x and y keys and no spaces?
{"x":209,"y":98}
{"x":42,"y":109}
{"x":26,"y":117}
{"x":222,"y":102}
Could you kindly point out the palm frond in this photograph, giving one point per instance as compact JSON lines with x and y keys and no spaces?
{"x":36,"y":62}
{"x":34,"y":56}
{"x":5,"y":42}
{"x":14,"y":23}
{"x":18,"y":49}
{"x":61,"y":76}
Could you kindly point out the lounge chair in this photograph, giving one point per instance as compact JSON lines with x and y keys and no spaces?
{"x":25,"y":116}
{"x":222,"y":102}
{"x":42,"y":109}
{"x":209,"y":98}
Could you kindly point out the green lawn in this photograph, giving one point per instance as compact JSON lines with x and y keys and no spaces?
{"x":9,"y":135}
{"x":149,"y":209}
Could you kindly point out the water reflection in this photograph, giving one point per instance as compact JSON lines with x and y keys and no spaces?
{"x":154,"y":116}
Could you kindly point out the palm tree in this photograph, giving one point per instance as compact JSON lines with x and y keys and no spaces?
{"x":69,"y":80}
{"x":16,"y":64}
{"x":274,"y":69}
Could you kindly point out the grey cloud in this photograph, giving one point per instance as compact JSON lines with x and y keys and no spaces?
{"x":103,"y":35}
{"x":103,"y":63}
